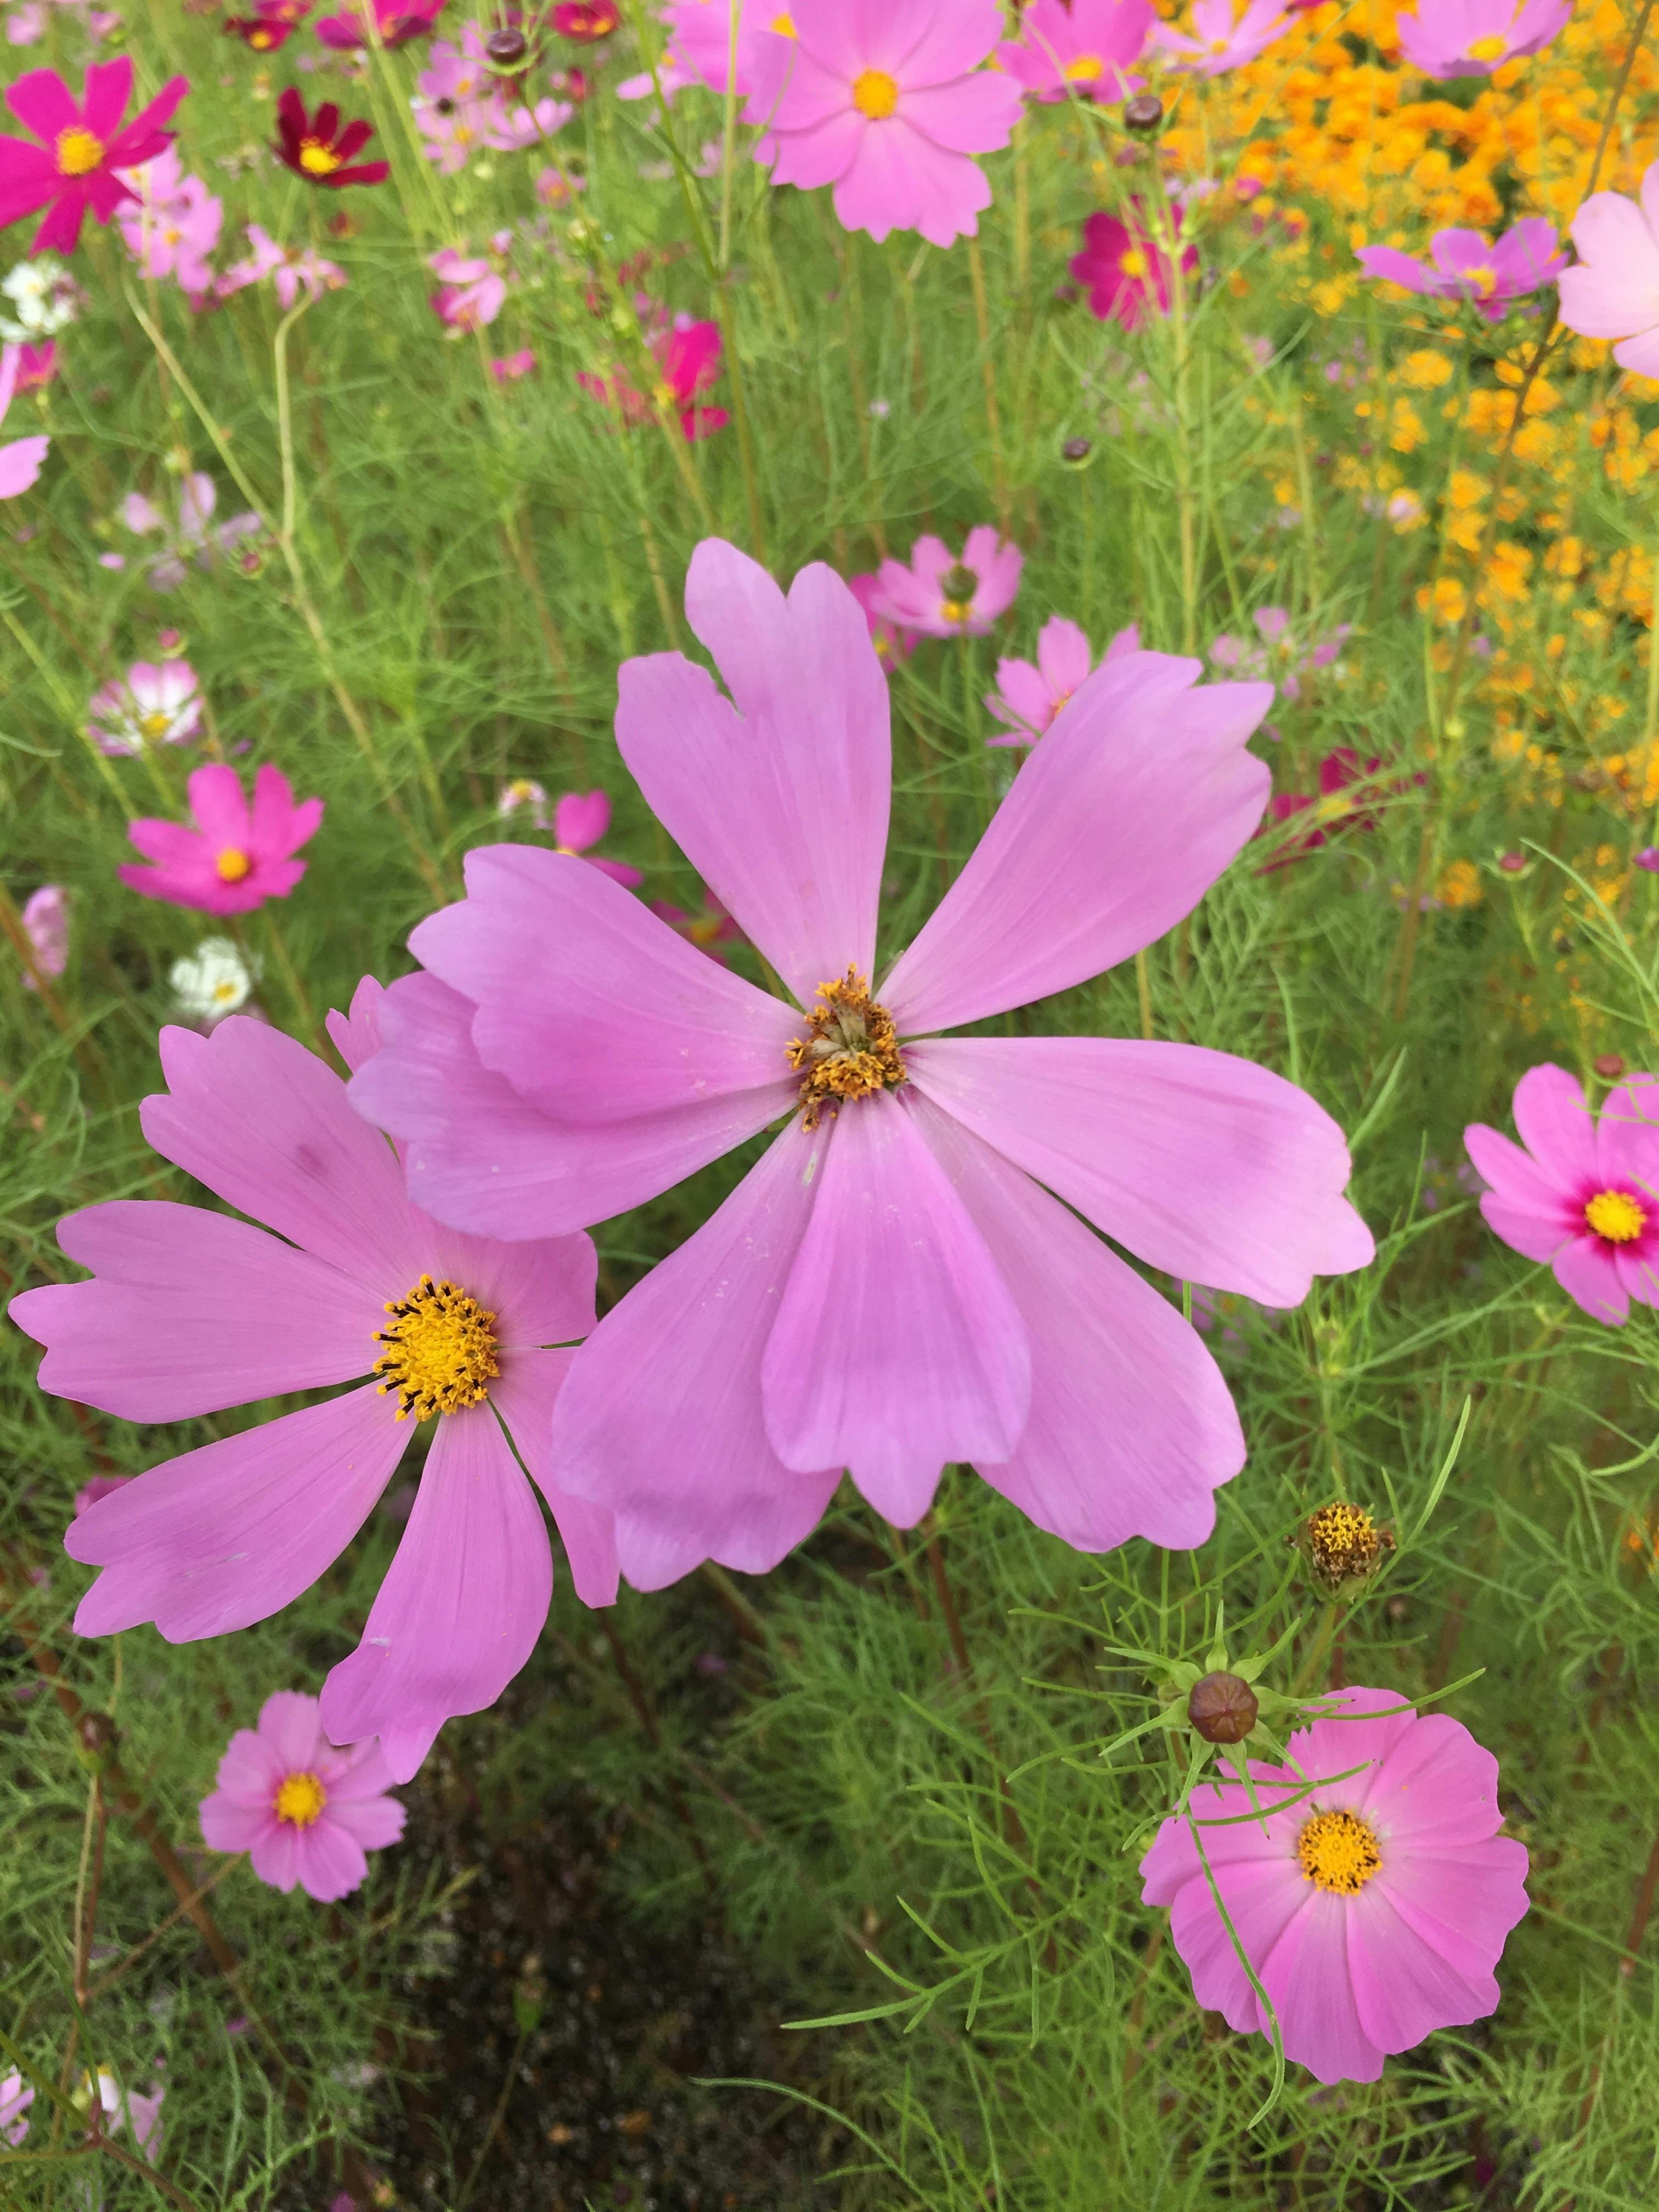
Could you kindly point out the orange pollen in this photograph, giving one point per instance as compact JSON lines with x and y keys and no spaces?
{"x":1615,"y":1215}
{"x":441,"y":1351}
{"x":300,"y":1800}
{"x":1338,"y":1851}
{"x":318,"y":160}
{"x":1085,"y":68}
{"x":78,"y":152}
{"x":1484,"y":282}
{"x":851,"y":1048}
{"x":875,"y":93}
{"x":232,"y":865}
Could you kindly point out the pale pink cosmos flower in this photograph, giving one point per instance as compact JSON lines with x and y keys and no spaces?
{"x":191,"y":1311}
{"x":172,"y":226}
{"x":15,"y":2098}
{"x":1613,"y":293}
{"x":306,"y":1814}
{"x":1217,"y":43}
{"x":193,"y":534}
{"x":21,"y":459}
{"x":512,"y":367}
{"x":291,"y":268}
{"x":579,"y":820}
{"x":944,"y":595}
{"x":893,"y":643}
{"x":122,"y":2107}
{"x":1084,"y":50}
{"x":1126,"y":273}
{"x":1027,"y":698}
{"x":236,"y":856}
{"x":155,"y":703}
{"x":891,"y":1288}
{"x":523,"y":791}
{"x":472,"y":290}
{"x":1466,"y":265}
{"x":25,"y":26}
{"x":1585,"y":1192}
{"x":1373,"y":1906}
{"x":889,"y":105}
{"x":46,"y":924}
{"x":1472,"y":38}
{"x":700,"y":37}
{"x":510,"y":130}
{"x":1277,"y":653}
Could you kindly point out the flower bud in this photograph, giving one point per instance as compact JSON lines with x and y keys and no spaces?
{"x":1075,"y":450}
{"x":1143,"y":114}
{"x":98,"y":1734}
{"x":1222,"y":1708}
{"x":1344,"y":1547}
{"x":959,"y":584}
{"x":1609,"y":1066}
{"x":508,"y":50}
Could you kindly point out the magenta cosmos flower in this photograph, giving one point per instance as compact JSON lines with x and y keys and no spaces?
{"x":237,"y":856}
{"x":1028,"y":697}
{"x":1373,"y":1908}
{"x":188,"y":1312}
{"x":891,"y":1288}
{"x":21,"y":459}
{"x":1584,"y":1194}
{"x":395,"y":22}
{"x":1124,"y":271}
{"x":1217,"y":43}
{"x":1472,"y":38}
{"x":580,"y":819}
{"x":1466,"y":265}
{"x":944,"y":595}
{"x":888,"y":104}
{"x":1083,"y":51}
{"x":82,"y":144}
{"x":306,"y":1814}
{"x":1613,"y":293}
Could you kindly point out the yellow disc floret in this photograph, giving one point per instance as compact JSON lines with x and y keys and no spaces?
{"x":300,"y":1800}
{"x":441,"y":1351}
{"x":875,"y":93}
{"x":1615,"y":1215}
{"x":232,"y":865}
{"x":78,"y":153}
{"x":1085,"y":68}
{"x":1338,"y":1851}
{"x":318,"y":160}
{"x":850,"y":1050}
{"x":1492,"y":48}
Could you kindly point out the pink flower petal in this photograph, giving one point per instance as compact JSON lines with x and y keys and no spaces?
{"x":328,"y":1861}
{"x":44,"y":104}
{"x":291,"y":1725}
{"x":972,"y":115}
{"x":373,"y":1821}
{"x":1590,"y":1277}
{"x":1308,"y":1977}
{"x":898,"y":1347}
{"x":20,"y":463}
{"x":275,"y":1855}
{"x":524,"y":1396}
{"x":822,"y":151}
{"x":1627,"y":1135}
{"x":231,"y":1824}
{"x":1555,"y":1124}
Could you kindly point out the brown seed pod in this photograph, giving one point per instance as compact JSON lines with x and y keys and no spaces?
{"x":1222,"y":1708}
{"x":1143,"y":114}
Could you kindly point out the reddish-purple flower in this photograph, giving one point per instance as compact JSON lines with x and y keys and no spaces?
{"x":687,"y":355}
{"x":305,"y":1813}
{"x":21,"y":459}
{"x":237,"y":856}
{"x":586,"y":21}
{"x":1585,"y":1192}
{"x":191,"y":1311}
{"x":891,"y":1288}
{"x":1471,"y":38}
{"x":1126,"y":273}
{"x":944,"y":595}
{"x":272,"y":23}
{"x":1373,"y":1906}
{"x":1489,"y":273}
{"x":395,"y":22}
{"x":319,"y":149}
{"x":1613,"y":293}
{"x":1083,"y":51}
{"x":82,"y":144}
{"x":1332,"y":807}
{"x":1028,"y":697}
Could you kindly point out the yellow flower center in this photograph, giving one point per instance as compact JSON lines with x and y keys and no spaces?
{"x":318,"y":160}
{"x":1491,"y":49}
{"x":78,"y":152}
{"x":300,"y":1800}
{"x":1133,"y":263}
{"x":955,"y":609}
{"x":1338,"y":1851}
{"x":154,"y":727}
{"x":441,"y":1351}
{"x":1085,"y":68}
{"x":1484,"y":280}
{"x":225,"y":992}
{"x":260,"y":41}
{"x":1615,"y":1215}
{"x":875,"y":93}
{"x":850,"y":1050}
{"x":232,"y":865}
{"x":784,"y":24}
{"x":1344,"y":1541}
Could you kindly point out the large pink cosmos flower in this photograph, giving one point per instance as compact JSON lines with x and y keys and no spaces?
{"x":1613,"y":293}
{"x":943,"y":594}
{"x":1584,"y":1194}
{"x":1489,"y":273}
{"x":304,"y":1813}
{"x":888,"y":104}
{"x":237,"y":856}
{"x":700,"y":45}
{"x":1083,"y":51}
{"x":1126,"y":273}
{"x":191,"y":1311}
{"x":1472,"y":38}
{"x":1028,"y":697}
{"x":1373,"y":1909}
{"x":891,"y":1288}
{"x":21,"y":459}
{"x":1217,"y":43}
{"x":82,"y":144}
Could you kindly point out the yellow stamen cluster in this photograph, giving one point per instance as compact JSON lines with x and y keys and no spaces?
{"x":1343,"y":1543}
{"x":232,"y":864}
{"x":1338,"y":1851}
{"x":850,"y":1050}
{"x":875,"y":93}
{"x":1085,"y":68}
{"x":78,"y":153}
{"x":441,"y":1351}
{"x":154,"y":727}
{"x":1615,"y":1215}
{"x":783,"y":24}
{"x":300,"y":1800}
{"x":318,"y":160}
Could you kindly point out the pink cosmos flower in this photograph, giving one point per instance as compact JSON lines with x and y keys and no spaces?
{"x":1216,"y":44}
{"x":191,"y":1311}
{"x":193,"y":534}
{"x":1125,"y":272}
{"x":83,"y":144}
{"x":290,"y":269}
{"x":1373,"y":1906}
{"x":889,"y":104}
{"x":892,"y":642}
{"x":707,"y":929}
{"x":100,"y":1485}
{"x":172,"y":226}
{"x":940,"y":595}
{"x":1584,"y":1194}
{"x":25,"y":26}
{"x":236,"y":857}
{"x":1332,"y":807}
{"x":21,"y":459}
{"x":120,"y":2106}
{"x":891,"y":1288}
{"x":523,"y":791}
{"x":1470,"y":266}
{"x":395,"y":22}
{"x":46,"y":923}
{"x":588,"y":22}
{"x":1472,"y":38}
{"x":1279,"y":654}
{"x":157,"y":703}
{"x":700,"y":43}
{"x":511,"y":367}
{"x":1613,"y":293}
{"x":579,"y":820}
{"x":37,"y":365}
{"x":15,"y":2098}
{"x":688,"y":355}
{"x":472,"y":293}
{"x":1082,"y":51}
{"x":303,"y":1812}
{"x":1027,"y":698}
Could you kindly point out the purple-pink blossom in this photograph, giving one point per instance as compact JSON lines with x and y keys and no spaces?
{"x":15,"y":2098}
{"x":192,"y":535}
{"x":1084,"y":50}
{"x":891,"y":1288}
{"x":1583,"y":1193}
{"x":1217,"y":43}
{"x":1472,"y":38}
{"x":190,"y":1311}
{"x":21,"y":459}
{"x":306,"y":1815}
{"x":580,"y":819}
{"x":511,"y":368}
{"x":395,"y":22}
{"x":890,"y":105}
{"x":1613,"y":293}
{"x":699,"y":52}
{"x":472,"y":289}
{"x":1489,"y":273}
{"x":1277,"y":651}
{"x":155,"y":703}
{"x":1372,"y":1905}
{"x":462,"y":106}
{"x":939,"y":593}
{"x":891,"y":640}
{"x":291,"y":268}
{"x":1029,"y":695}
{"x":236,"y":856}
{"x":83,"y":147}
{"x":171,"y":226}
{"x":46,"y":924}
